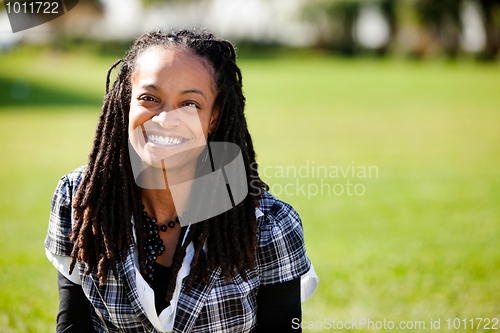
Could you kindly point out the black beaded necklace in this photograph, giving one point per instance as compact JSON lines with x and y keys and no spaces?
{"x":154,"y":244}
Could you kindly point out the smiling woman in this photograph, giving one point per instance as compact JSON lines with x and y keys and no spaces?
{"x":171,"y":109}
{"x":129,"y":257}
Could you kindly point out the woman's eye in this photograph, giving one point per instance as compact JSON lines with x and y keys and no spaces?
{"x":147,"y":99}
{"x":191,"y":104}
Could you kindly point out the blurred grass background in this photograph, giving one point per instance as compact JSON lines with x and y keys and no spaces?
{"x":420,"y":243}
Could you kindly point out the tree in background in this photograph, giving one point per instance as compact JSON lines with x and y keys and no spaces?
{"x":336,"y":21}
{"x":491,"y":20}
{"x":442,"y":19}
{"x":438,"y":25}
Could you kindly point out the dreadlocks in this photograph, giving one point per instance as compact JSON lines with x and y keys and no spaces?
{"x":108,"y":196}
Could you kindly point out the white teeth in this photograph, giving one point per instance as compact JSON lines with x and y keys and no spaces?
{"x":169,"y":141}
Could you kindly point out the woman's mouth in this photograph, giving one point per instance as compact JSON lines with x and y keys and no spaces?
{"x":165,"y":140}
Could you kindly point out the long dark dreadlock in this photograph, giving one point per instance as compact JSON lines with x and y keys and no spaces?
{"x":108,"y":196}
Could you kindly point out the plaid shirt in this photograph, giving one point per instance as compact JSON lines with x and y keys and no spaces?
{"x":217,"y":307}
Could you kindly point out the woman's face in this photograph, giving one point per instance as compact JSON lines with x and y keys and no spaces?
{"x":171,"y":108}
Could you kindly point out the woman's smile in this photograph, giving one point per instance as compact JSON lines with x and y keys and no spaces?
{"x":154,"y":141}
{"x":164,"y":140}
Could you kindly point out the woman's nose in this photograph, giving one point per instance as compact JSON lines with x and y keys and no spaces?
{"x":167,"y":118}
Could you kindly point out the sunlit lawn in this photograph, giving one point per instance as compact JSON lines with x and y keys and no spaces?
{"x":421,"y":242}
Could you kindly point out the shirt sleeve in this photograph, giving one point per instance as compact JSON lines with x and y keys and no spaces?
{"x":281,"y":252}
{"x":58,"y":245}
{"x":74,"y":308}
{"x":278,"y":305}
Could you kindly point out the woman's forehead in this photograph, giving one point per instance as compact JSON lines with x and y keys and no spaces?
{"x":161,"y":63}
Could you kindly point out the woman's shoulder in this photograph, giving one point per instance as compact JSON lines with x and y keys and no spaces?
{"x":74,"y":178}
{"x":281,"y":252}
{"x":61,"y":212}
{"x":273,"y":213}
{"x":68,"y":184}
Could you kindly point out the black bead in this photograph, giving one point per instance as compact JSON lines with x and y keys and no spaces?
{"x":152,"y":252}
{"x":150,"y":247}
{"x":163,"y":228}
{"x":154,"y":258}
{"x":149,"y":267}
{"x":153,"y":220}
{"x":160,"y":241}
{"x":162,"y":248}
{"x":150,"y":258}
{"x":150,"y":233}
{"x":171,"y":224}
{"x":150,"y":276}
{"x":145,"y":214}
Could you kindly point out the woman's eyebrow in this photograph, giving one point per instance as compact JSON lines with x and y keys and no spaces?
{"x":196,"y":91}
{"x":150,"y":85}
{"x":189,"y":91}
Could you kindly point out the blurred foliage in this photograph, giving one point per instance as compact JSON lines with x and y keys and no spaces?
{"x":245,"y":48}
{"x":252,"y":49}
{"x":419,"y":28}
{"x":491,"y":10}
{"x":441,"y":20}
{"x":150,"y":2}
{"x":336,"y":22}
{"x":87,"y":44}
{"x":333,"y":19}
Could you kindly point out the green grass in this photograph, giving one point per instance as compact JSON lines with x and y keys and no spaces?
{"x":420,"y":243}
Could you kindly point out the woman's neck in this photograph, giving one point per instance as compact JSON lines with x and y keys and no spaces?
{"x":159,"y":204}
{"x":171,"y":199}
